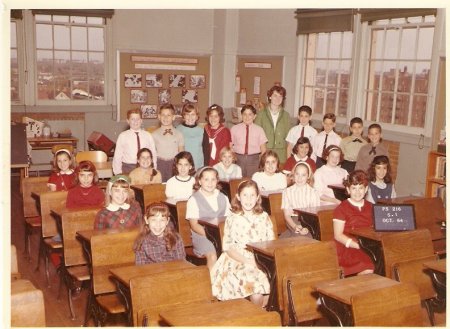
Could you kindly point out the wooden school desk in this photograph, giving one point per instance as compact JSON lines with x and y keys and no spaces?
{"x":104,"y":169}
{"x":122,"y":276}
{"x":339,"y":191}
{"x":265,"y":202}
{"x":214,"y":232}
{"x":336,"y":296}
{"x":238,"y":312}
{"x":318,"y":220}
{"x":265,"y":258}
{"x":438,"y":271}
{"x":173,"y":204}
{"x":148,"y":193}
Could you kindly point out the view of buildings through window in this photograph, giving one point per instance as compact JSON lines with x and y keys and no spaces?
{"x":15,"y":95}
{"x":70,"y":57}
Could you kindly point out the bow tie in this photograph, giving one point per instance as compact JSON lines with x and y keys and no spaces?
{"x":357,"y":140}
{"x":373,"y":150}
{"x":168,"y":131}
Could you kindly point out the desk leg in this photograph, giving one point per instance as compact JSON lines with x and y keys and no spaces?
{"x":267,"y":265}
{"x":375,"y":252}
{"x":439,"y":283}
{"x":311,"y":223}
{"x":126,"y":299}
{"x":338,"y":313}
{"x":214,"y":236}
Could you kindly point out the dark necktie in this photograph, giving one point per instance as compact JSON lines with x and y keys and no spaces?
{"x":357,"y":140}
{"x":168,"y":131}
{"x":325,"y":142}
{"x":138,"y":141}
{"x":303,"y":132}
{"x":373,"y":150}
{"x":246,"y":139}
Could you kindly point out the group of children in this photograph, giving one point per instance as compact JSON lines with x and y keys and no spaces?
{"x":192,"y":161}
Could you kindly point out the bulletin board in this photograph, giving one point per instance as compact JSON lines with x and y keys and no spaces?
{"x":146,"y":81}
{"x":255,"y":76}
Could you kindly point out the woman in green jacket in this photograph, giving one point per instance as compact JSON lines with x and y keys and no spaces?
{"x":275,"y":121}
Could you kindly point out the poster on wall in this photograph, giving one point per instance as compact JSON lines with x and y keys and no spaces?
{"x":177,"y":81}
{"x":256,"y":85}
{"x":189,"y":95}
{"x":133,"y":80}
{"x":149,"y":111}
{"x":164,"y":96}
{"x":197,"y":81}
{"x":153,"y":80}
{"x":243,"y":96}
{"x":138,"y":96}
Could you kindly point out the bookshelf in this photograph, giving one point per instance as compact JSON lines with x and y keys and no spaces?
{"x":436,"y":185}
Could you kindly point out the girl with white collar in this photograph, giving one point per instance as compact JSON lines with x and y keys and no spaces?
{"x":63,"y":177}
{"x":121,"y":210}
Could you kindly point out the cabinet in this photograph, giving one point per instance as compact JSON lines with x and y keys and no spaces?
{"x":436,"y":185}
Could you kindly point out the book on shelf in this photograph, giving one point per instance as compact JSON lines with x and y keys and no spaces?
{"x":438,"y":190}
{"x":440,"y":167}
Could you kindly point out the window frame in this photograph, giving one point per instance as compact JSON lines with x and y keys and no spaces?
{"x":20,"y":61}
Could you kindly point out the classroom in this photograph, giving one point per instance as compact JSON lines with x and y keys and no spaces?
{"x":83,"y":81}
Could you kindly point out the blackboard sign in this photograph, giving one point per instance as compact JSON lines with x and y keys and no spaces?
{"x":394,"y":217}
{"x":19,"y":144}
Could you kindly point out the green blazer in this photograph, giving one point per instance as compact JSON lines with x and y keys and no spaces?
{"x":276,"y":137}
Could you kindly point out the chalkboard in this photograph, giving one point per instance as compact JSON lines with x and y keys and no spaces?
{"x":399,"y":217}
{"x":19,"y":144}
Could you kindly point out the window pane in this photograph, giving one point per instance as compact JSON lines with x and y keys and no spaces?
{"x":392,"y":42}
{"x":14,"y":76}
{"x":96,"y":64}
{"x":43,"y":18}
{"x":408,"y":44}
{"x":96,"y":20}
{"x":425,"y":42}
{"x":96,"y":40}
{"x":347,"y":45}
{"x":80,"y":89}
{"x":401,"y":20}
{"x":322,"y":46}
{"x":376,"y":51}
{"x":333,"y":71}
{"x":401,"y":110}
{"x":345,"y":74}
{"x":387,"y":101}
{"x":62,"y":37}
{"x":389,"y":69}
{"x":343,"y":102}
{"x":78,"y":19}
{"x":61,"y":19}
{"x":79,"y":38}
{"x":430,"y":18}
{"x":417,"y":19}
{"x":62,"y":90}
{"x":331,"y":101}
{"x":318,"y":100}
{"x":421,"y":77}
{"x":321,"y":71}
{"x":79,"y":63}
{"x":13,"y":35}
{"x":311,"y":51}
{"x":96,"y":88}
{"x":374,"y":75}
{"x":418,"y":111}
{"x":405,"y":77}
{"x":62,"y":65}
{"x":371,"y":106}
{"x":335,"y":45}
{"x":44,"y":39}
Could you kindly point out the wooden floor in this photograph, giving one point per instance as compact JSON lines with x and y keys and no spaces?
{"x":57,"y":311}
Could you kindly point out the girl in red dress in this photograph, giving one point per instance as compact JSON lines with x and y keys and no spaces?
{"x":301,"y":151}
{"x":216,"y":135}
{"x":353,"y":213}
{"x":86,"y":192}
{"x":63,"y":177}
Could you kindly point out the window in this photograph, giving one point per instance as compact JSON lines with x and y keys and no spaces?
{"x":399,"y":70}
{"x":327,"y":72}
{"x":70,"y":57}
{"x":15,"y":83}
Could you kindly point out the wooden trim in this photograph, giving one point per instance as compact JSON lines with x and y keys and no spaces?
{"x":370,"y":15}
{"x":17,"y":117}
{"x":106,"y":13}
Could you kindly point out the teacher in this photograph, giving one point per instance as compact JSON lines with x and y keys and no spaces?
{"x":275,"y":122}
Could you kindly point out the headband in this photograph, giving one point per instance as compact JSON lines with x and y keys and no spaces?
{"x":203,"y":169}
{"x":65,"y":151}
{"x":116,"y":178}
{"x":303,"y":163}
{"x":334,"y":148}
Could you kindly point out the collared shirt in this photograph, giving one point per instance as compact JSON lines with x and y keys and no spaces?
{"x":180,"y":188}
{"x":232,"y":172}
{"x":365,"y":158}
{"x":167,"y":145}
{"x":126,"y":148}
{"x":351,"y":148}
{"x":154,"y":250}
{"x":144,"y":176}
{"x":193,"y":209}
{"x":327,"y":175}
{"x":319,"y":139}
{"x":295,"y":132}
{"x":296,"y":196}
{"x":256,"y":138}
{"x":121,"y":218}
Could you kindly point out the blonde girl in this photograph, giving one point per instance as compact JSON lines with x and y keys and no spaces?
{"x":227,"y":168}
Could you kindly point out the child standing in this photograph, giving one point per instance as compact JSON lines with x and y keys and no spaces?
{"x":301,"y":152}
{"x":380,"y":180}
{"x":330,"y":174}
{"x":192,"y":134}
{"x":226,"y":168}
{"x":158,"y":241}
{"x":269,"y":177}
{"x":169,"y":141}
{"x":121,"y":211}
{"x":181,"y":185}
{"x":145,"y":173}
{"x":86,"y":192}
{"x":353,"y":213}
{"x":206,"y":203}
{"x":372,"y":149}
{"x":249,"y":141}
{"x":216,"y":135}
{"x":299,"y":195}
{"x":63,"y":177}
{"x":351,"y":144}
{"x":303,"y":129}
{"x":325,"y":138}
{"x":236,"y":275}
{"x":130,"y":142}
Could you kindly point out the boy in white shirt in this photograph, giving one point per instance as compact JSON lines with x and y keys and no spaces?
{"x":325,"y":138}
{"x":303,"y":129}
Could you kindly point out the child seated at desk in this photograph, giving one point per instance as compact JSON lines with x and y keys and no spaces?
{"x":235,"y":274}
{"x":299,"y":195}
{"x":206,"y":203}
{"x":145,"y":173}
{"x":301,"y":151}
{"x":227,"y":168}
{"x":269,"y":177}
{"x":181,"y":185}
{"x":355,"y":212}
{"x":63,"y":176}
{"x":380,"y":185}
{"x":121,"y":210}
{"x":158,"y":241}
{"x":86,"y":192}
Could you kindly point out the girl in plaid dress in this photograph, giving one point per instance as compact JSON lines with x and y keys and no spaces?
{"x":158,"y":241}
{"x":121,"y":210}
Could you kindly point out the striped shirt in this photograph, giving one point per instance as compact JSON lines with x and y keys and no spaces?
{"x":299,"y":196}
